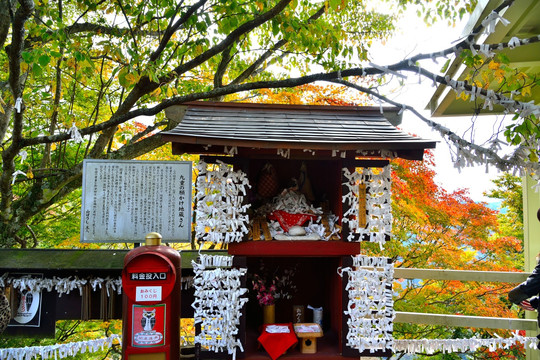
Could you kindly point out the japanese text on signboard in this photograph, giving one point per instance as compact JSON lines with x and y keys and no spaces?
{"x":125,"y":200}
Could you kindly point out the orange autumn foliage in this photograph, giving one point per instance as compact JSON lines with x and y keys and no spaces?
{"x":436,"y":229}
{"x":310,"y":94}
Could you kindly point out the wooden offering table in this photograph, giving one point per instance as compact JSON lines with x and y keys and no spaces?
{"x":308,"y":333}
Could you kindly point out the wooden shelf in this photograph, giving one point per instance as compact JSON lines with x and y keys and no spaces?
{"x":294,"y":248}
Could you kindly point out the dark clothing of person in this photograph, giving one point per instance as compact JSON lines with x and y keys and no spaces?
{"x":528,"y":289}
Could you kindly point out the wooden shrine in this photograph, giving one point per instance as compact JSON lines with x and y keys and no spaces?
{"x":299,"y":156}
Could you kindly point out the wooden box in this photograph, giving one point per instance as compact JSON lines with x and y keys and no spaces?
{"x":308,"y":334}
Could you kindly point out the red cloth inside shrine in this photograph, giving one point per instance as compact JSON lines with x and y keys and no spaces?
{"x":288,"y":220}
{"x":276,"y":344}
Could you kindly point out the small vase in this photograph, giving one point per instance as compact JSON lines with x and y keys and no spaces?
{"x":269,"y":314}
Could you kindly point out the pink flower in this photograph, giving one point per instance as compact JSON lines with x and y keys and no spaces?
{"x":272,"y":288}
{"x":267,"y":299}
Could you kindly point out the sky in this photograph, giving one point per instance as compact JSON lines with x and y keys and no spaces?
{"x":413,"y":36}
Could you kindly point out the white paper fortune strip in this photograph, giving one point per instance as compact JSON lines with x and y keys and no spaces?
{"x":419,"y":346}
{"x":207,"y":261}
{"x":59,"y":351}
{"x":378,"y":204}
{"x":66,"y":285}
{"x":371,"y":307}
{"x":431,"y":346}
{"x":17,"y":173}
{"x":217,"y":306}
{"x":61,"y":285}
{"x":75,"y":134}
{"x":221,"y":215}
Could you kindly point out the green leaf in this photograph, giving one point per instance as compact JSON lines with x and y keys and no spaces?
{"x":445,"y":66}
{"x":78,"y":56}
{"x":122,"y":77}
{"x":27,"y":56}
{"x":37,"y":70}
{"x":44,"y":60}
{"x":170,"y":13}
{"x":516,"y":140}
{"x":334,"y":4}
{"x":503,"y":58}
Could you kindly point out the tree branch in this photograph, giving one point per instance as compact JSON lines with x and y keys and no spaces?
{"x":264,"y":57}
{"x":492,"y":156}
{"x":5,"y":21}
{"x":232,"y":37}
{"x":141,"y":147}
{"x":222,"y":67}
{"x":120,"y":117}
{"x":136,"y":47}
{"x":45,"y":160}
{"x":169,"y":32}
{"x":147,"y":131}
{"x":16,"y":84}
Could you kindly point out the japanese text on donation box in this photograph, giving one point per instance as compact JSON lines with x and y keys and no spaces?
{"x":125,"y":200}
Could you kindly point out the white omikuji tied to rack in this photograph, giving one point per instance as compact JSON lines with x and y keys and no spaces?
{"x":220,"y":212}
{"x":218,"y":303}
{"x":370,"y":308}
{"x":378,"y":204}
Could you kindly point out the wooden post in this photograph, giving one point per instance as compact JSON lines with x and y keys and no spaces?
{"x":362,"y":221}
{"x":531,"y":229}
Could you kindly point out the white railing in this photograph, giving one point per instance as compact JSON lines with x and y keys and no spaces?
{"x":463,"y":320}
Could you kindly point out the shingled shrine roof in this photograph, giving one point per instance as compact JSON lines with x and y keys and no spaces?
{"x":250,"y":130}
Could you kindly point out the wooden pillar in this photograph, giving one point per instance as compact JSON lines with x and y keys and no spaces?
{"x":531,"y":230}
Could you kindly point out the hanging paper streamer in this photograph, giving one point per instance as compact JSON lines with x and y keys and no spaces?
{"x":18,"y":105}
{"x":351,"y":199}
{"x":66,"y":285}
{"x":231,"y":151}
{"x":23,"y":154}
{"x":510,"y":105}
{"x":286,"y":153}
{"x":61,"y":285}
{"x":17,"y":173}
{"x":371,"y":307}
{"x":59,"y":351}
{"x":75,"y":134}
{"x":431,"y":346}
{"x":378,"y":219}
{"x":221,"y":215}
{"x":491,"y":21}
{"x":215,"y":261}
{"x":218,"y":304}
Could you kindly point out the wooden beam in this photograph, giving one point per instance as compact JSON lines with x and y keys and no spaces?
{"x":460,"y":275}
{"x":24,"y":260}
{"x":465,"y":321}
{"x":365,"y":163}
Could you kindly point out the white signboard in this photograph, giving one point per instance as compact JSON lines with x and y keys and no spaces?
{"x":123,"y":200}
{"x":29,"y":310}
{"x":148,"y":293}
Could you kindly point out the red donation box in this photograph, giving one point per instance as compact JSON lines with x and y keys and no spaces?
{"x":151,"y":281}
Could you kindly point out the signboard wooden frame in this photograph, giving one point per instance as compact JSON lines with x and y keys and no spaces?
{"x":123,"y":200}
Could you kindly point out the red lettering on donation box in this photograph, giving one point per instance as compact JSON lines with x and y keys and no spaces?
{"x":148,"y":325}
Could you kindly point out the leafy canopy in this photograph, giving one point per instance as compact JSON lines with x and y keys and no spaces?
{"x":76,"y":75}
